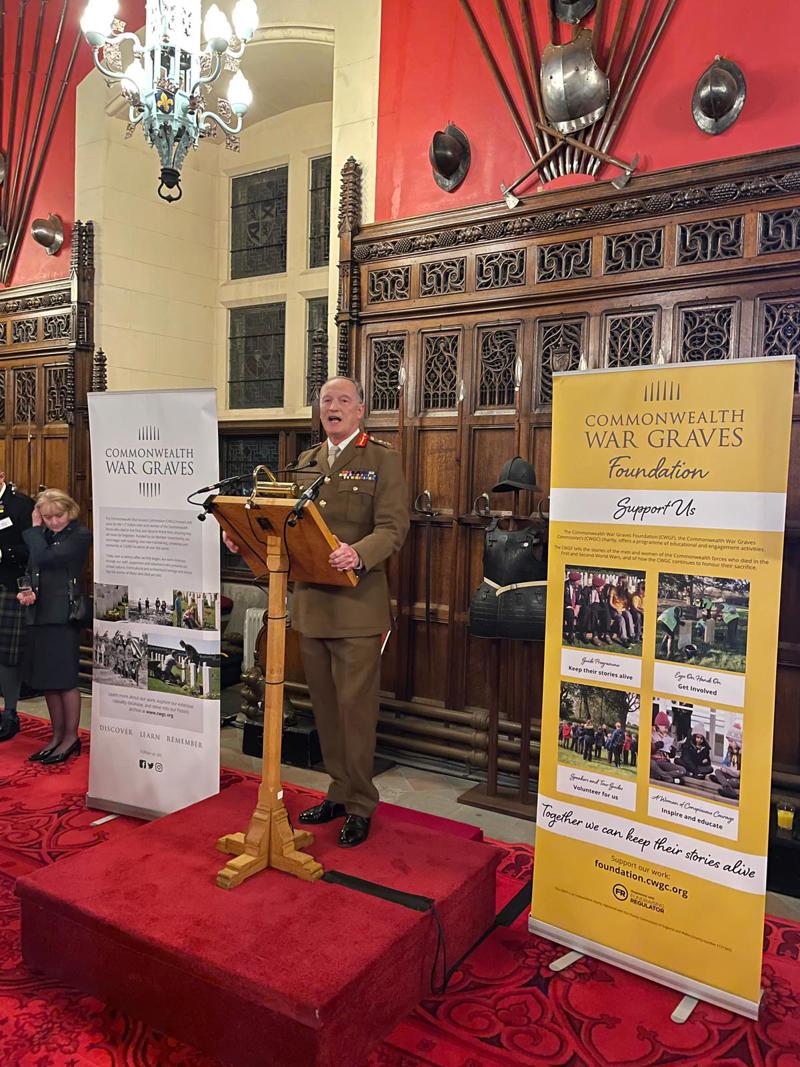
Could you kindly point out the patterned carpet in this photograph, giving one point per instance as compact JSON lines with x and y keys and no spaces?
{"x":503,"y":1007}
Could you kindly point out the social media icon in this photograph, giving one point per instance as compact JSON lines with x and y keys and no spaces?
{"x":143,"y":764}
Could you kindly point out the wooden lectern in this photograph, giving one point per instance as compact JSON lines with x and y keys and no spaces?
{"x":259,"y":525}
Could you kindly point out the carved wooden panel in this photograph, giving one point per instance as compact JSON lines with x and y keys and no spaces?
{"x":24,"y":331}
{"x":497,"y":354}
{"x":559,"y":343}
{"x":443,"y":277}
{"x":384,"y":286}
{"x":779,"y":231}
{"x":24,"y":394}
{"x":710,"y":240}
{"x":58,"y":399}
{"x":563,"y":261}
{"x":57,"y":327}
{"x":640,"y":250}
{"x":440,"y":370}
{"x":706,"y":332}
{"x":780,"y":330}
{"x":386,"y":359}
{"x":630,"y":338}
{"x":499,"y":270}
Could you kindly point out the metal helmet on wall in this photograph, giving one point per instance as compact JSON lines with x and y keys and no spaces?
{"x":572,"y":11}
{"x":719,"y":96}
{"x":574,"y":89}
{"x":450,"y":157}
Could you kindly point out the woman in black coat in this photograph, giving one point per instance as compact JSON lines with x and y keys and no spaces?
{"x":58,"y":547}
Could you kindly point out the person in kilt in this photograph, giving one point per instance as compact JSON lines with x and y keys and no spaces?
{"x":15,"y":517}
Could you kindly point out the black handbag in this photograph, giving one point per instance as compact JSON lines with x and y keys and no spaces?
{"x":80,"y":607}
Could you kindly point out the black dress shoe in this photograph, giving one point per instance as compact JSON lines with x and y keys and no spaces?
{"x":62,"y":757}
{"x":322,"y":812}
{"x":37,"y":757}
{"x":354,"y":832}
{"x":9,"y":726}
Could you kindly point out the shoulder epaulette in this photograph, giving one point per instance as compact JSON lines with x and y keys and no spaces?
{"x":377,"y":441}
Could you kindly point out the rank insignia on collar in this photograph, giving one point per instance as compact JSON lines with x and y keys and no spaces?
{"x":361,"y":476}
{"x":361,"y":440}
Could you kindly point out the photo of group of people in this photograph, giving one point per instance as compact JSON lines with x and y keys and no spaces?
{"x":703,"y":621}
{"x":599,"y":729}
{"x":185,"y":609}
{"x":119,"y":657}
{"x":178,"y":667}
{"x":604,"y":608}
{"x":696,"y":750}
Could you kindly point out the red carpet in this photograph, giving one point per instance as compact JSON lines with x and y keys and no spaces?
{"x":503,"y":1008}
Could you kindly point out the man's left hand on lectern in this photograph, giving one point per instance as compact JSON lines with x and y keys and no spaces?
{"x":229,"y":544}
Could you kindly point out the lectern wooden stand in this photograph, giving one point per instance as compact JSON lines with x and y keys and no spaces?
{"x":270,"y":547}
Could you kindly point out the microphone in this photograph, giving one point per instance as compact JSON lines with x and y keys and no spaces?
{"x":218,"y":485}
{"x":305,"y":498}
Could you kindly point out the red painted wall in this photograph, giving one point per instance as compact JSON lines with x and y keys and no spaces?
{"x":56,"y":189}
{"x":433,"y":72}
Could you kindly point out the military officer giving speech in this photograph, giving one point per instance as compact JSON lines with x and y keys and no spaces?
{"x":364,"y":501}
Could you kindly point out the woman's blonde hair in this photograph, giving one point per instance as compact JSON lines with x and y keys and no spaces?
{"x":59,"y":501}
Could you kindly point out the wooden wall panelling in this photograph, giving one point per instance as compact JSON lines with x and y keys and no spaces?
{"x":700,"y":263}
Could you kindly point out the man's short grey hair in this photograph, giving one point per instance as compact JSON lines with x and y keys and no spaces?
{"x":359,"y":388}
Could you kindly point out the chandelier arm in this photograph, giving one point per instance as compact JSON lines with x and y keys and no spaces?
{"x":113,"y":75}
{"x":233,"y":130}
{"x":208,"y":78}
{"x":236,"y":53}
{"x":135,"y":114}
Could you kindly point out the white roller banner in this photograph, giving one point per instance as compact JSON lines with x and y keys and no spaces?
{"x":156,"y":674}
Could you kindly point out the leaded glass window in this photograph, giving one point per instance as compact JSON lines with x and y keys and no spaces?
{"x":319,"y":223}
{"x":256,"y":353}
{"x":258,"y":223}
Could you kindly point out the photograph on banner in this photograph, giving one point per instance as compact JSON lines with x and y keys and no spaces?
{"x":598,"y":744}
{"x":151,"y":602}
{"x":604,"y":607}
{"x":110,"y":602}
{"x":182,"y":669}
{"x":119,"y":657}
{"x":703,"y":621}
{"x":195,"y":611}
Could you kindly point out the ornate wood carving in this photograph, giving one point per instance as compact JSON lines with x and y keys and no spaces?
{"x":317,"y":375}
{"x":780,"y":330}
{"x":57,"y":327}
{"x":630,"y":338}
{"x":349,"y":298}
{"x":560,"y":262}
{"x":390,"y":284}
{"x":440,"y":370}
{"x":705,"y":332}
{"x":560,"y":345}
{"x":498,"y":270}
{"x":387,"y":355}
{"x":690,"y":192}
{"x":640,"y":250}
{"x":498,"y":355}
{"x":779,"y":231}
{"x":24,"y":394}
{"x":24,"y":331}
{"x":442,"y":277}
{"x":58,"y":390}
{"x":709,"y":240}
{"x":99,"y":372}
{"x":2,"y":396}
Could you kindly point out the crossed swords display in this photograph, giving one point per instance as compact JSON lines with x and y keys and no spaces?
{"x":542,"y":152}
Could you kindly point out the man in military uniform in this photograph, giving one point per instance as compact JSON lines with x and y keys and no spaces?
{"x":364,"y":501}
{"x":15,"y":516}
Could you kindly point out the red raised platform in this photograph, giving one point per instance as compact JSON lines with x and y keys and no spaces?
{"x":277,"y":971}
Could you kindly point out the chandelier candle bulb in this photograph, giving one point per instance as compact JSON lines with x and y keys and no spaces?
{"x":134,"y":80}
{"x":217,"y":29}
{"x":245,"y":19}
{"x":240,"y":95}
{"x":97,"y":19}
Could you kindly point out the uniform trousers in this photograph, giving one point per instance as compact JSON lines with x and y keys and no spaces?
{"x":343,"y":676}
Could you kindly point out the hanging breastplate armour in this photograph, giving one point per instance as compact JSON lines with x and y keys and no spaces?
{"x":510,"y":601}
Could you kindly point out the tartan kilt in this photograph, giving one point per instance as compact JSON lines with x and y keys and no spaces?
{"x":11,"y":613}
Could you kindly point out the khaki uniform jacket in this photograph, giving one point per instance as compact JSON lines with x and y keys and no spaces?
{"x":365,"y":503}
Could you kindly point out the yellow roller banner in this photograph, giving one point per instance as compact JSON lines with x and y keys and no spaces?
{"x":668,"y":498}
